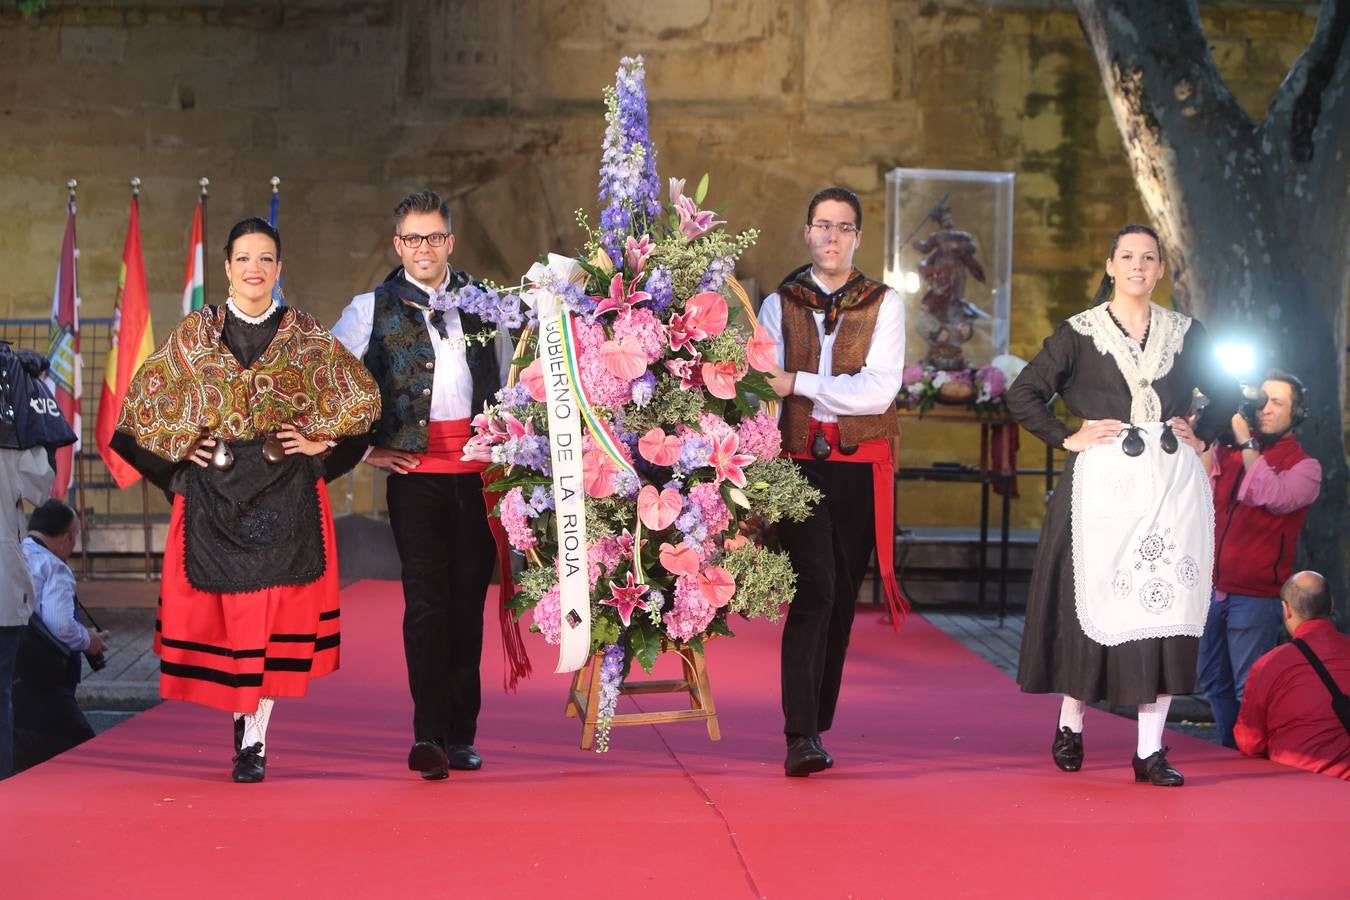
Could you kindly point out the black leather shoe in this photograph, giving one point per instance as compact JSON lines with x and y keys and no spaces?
{"x":804,"y":756}
{"x":249,"y":765}
{"x":1157,"y":770}
{"x":1067,"y":749}
{"x":829,"y":760}
{"x":463,"y":757}
{"x":428,"y":757}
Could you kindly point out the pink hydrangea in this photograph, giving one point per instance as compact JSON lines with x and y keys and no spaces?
{"x":690,"y":613}
{"x":548,"y":615}
{"x":760,"y":436}
{"x":516,"y":522}
{"x":714,"y":427}
{"x":992,"y":382}
{"x":912,"y":374}
{"x":602,"y":386}
{"x":606,"y":552}
{"x":713,"y":511}
{"x":647,"y":328}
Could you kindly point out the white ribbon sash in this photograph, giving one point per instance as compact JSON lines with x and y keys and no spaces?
{"x":564,"y":433}
{"x":1142,"y":531}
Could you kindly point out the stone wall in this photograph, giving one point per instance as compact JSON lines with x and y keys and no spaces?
{"x":496,"y":103}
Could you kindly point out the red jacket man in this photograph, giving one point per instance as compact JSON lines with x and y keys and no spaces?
{"x":1286,"y":713}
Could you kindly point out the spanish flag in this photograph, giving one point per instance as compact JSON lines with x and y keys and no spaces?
{"x":130,"y":341}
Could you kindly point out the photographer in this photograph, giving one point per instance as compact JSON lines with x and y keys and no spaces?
{"x":1263,"y":487}
{"x":47,"y":719}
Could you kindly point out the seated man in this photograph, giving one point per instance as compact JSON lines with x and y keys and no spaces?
{"x":1286,"y":712}
{"x":47,"y":719}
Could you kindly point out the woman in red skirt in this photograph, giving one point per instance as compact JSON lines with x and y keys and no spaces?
{"x":236,"y":415}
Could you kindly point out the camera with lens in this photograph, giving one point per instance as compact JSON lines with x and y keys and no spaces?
{"x":97,"y":661}
{"x":1251,"y":401}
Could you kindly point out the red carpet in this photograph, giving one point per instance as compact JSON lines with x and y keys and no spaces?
{"x":943,"y":788}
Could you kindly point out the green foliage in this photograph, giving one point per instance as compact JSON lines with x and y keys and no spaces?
{"x":670,"y":405}
{"x":644,"y":644}
{"x":777,"y":491}
{"x":765,"y":581}
{"x":532,"y":584}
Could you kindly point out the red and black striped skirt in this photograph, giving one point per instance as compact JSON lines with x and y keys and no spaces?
{"x":229,"y":650}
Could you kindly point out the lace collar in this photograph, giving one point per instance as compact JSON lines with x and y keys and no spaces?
{"x":1141,"y":367}
{"x":245,"y":317}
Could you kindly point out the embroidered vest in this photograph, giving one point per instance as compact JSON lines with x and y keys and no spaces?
{"x":801,"y":344}
{"x":401,"y":358}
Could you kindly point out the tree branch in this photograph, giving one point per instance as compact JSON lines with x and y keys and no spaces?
{"x":1312,"y":106}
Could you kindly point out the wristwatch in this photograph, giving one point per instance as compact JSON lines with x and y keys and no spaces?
{"x":1250,"y":444}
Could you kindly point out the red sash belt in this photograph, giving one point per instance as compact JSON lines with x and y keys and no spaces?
{"x":445,"y":447}
{"x":877,"y":453}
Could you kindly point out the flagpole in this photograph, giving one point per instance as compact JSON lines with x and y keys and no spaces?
{"x":205,"y":184}
{"x":278,"y":294}
{"x":71,"y":185}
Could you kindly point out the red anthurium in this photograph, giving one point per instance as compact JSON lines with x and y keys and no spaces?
{"x":598,"y":472}
{"x":761,"y":352}
{"x":720,"y":379}
{"x":623,"y":358}
{"x":658,"y":510}
{"x":706,"y":313}
{"x":532,"y":376}
{"x":679,"y":559}
{"x":659,"y":448}
{"x":717,"y":586}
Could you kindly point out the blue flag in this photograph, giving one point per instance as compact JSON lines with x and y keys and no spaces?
{"x":277,"y":293}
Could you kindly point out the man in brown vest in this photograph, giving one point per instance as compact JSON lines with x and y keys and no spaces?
{"x":841,"y":351}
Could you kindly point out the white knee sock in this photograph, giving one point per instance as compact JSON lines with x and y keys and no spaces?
{"x":1152,"y":720}
{"x":255,"y":724}
{"x":1071,"y":714}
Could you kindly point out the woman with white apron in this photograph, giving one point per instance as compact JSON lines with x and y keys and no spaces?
{"x":1121,"y":581}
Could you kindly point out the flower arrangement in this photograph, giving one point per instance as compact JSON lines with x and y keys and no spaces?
{"x":981,"y":390}
{"x":679,"y":453}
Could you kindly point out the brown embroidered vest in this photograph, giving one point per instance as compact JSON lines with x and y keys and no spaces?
{"x":801,"y":344}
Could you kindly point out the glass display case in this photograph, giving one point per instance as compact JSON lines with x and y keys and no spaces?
{"x":949,"y":255}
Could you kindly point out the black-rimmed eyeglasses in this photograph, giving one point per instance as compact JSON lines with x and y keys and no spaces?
{"x":413,"y":241}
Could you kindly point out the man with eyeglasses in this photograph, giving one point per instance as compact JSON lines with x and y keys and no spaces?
{"x":841,"y":351}
{"x":435,"y":370}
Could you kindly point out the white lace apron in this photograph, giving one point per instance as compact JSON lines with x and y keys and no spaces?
{"x":1143,"y":541}
{"x":1142,"y":528}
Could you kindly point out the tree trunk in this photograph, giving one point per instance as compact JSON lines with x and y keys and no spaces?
{"x":1254,"y":216}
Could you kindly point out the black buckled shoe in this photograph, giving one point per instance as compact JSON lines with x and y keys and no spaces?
{"x":804,"y":756}
{"x":463,"y":757}
{"x":249,"y":765}
{"x":1157,"y":770}
{"x":428,"y":758}
{"x":1067,"y":750}
{"x":829,"y":760}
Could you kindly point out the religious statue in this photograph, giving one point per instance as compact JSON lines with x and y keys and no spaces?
{"x":946,"y":317}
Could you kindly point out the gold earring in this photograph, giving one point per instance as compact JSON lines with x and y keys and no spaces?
{"x":230,"y":293}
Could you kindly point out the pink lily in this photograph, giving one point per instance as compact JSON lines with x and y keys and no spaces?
{"x":679,"y":559}
{"x":635,"y":253}
{"x":516,"y":429}
{"x":619,"y":298}
{"x":727,"y":463}
{"x":626,"y":545}
{"x":693,"y":221}
{"x":735,"y":542}
{"x":478,"y":449}
{"x":626,"y":597}
{"x":761,"y":352}
{"x":658,"y":510}
{"x":717,"y":586}
{"x":720,"y":379}
{"x":687,"y":370}
{"x":676,"y":189}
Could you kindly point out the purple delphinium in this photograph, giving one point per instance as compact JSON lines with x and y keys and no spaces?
{"x":628,"y":183}
{"x":659,"y":285}
{"x":718,"y":271}
{"x":611,"y":679}
{"x":643,"y":389}
{"x":501,"y":309}
{"x":693,"y":455}
{"x":541,"y":498}
{"x":514,"y":397}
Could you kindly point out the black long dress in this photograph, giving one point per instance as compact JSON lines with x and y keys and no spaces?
{"x":1057,"y":657}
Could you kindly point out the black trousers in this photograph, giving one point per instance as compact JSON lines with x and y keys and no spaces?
{"x":447,"y":553}
{"x":829,"y":552}
{"x":48,"y":720}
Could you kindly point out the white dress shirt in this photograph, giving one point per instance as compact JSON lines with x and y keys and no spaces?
{"x":451,"y":383}
{"x":867,"y":393}
{"x":54,"y":584}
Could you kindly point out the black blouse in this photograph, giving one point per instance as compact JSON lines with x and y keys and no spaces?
{"x":1093,"y":386}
